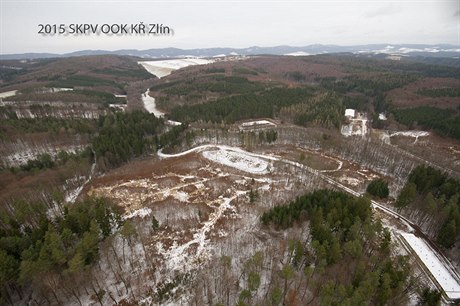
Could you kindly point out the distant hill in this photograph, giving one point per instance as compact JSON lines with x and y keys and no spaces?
{"x":431,"y":51}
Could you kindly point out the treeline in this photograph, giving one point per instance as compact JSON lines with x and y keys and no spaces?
{"x":82,"y":96}
{"x":12,"y":126}
{"x":439,"y":92}
{"x":243,"y":70}
{"x":325,"y":110}
{"x":369,"y":86}
{"x":218,"y":83}
{"x":445,"y":122}
{"x":79,"y":81}
{"x":250,"y":139}
{"x":125,"y":135}
{"x":234,"y":108}
{"x":174,"y":137}
{"x":36,"y":247}
{"x":424,"y":66}
{"x":349,"y":254}
{"x":438,"y":195}
{"x":138,"y":73}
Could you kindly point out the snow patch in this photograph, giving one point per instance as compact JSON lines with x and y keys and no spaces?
{"x":150,"y":105}
{"x":415,"y":134}
{"x":237,"y":160}
{"x":7,"y":94}
{"x":297,"y":53}
{"x":258,"y":122}
{"x":180,"y":196}
{"x":142,"y":213}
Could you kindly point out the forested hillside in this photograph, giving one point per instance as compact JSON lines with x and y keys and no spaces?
{"x":348,"y":258}
{"x":38,"y":247}
{"x":437,"y":197}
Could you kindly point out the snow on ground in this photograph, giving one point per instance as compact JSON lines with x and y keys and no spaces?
{"x":164,"y":68}
{"x":411,"y":133}
{"x":349,"y":180}
{"x":256,"y":124}
{"x":443,"y":276}
{"x":150,"y":106}
{"x":180,"y":196}
{"x":176,"y":256}
{"x":59,"y":89}
{"x":415,"y":134}
{"x":210,"y":146}
{"x":25,"y":152}
{"x":161,"y":69}
{"x":143,"y":212}
{"x":237,"y":160}
{"x":72,"y":196}
{"x":7,"y":94}
{"x":298,"y":53}
{"x":121,"y":107}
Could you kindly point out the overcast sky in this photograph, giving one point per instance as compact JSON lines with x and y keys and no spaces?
{"x":199,"y":24}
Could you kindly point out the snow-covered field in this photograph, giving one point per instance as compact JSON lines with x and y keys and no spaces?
{"x":163,"y":68}
{"x":237,"y":160}
{"x":442,"y":275}
{"x":7,"y":94}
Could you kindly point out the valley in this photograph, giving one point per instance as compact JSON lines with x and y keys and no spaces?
{"x":237,"y":181}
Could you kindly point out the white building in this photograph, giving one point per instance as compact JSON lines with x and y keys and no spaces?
{"x":350,"y":113}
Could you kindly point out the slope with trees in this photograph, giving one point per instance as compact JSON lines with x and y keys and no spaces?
{"x":433,"y":199}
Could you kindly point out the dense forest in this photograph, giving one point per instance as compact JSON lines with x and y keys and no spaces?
{"x":246,"y":106}
{"x":14,"y":126}
{"x":378,"y":188}
{"x":439,"y":92}
{"x":125,"y":135}
{"x":324,"y":109}
{"x":446,"y":122}
{"x":40,"y":247}
{"x":218,"y":83}
{"x":368,"y":86}
{"x":437,"y":195}
{"x":344,"y":237}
